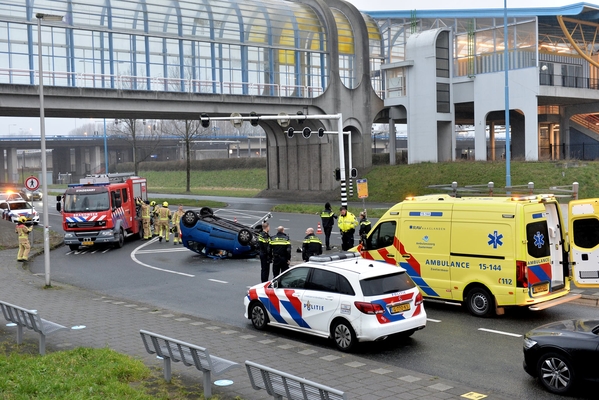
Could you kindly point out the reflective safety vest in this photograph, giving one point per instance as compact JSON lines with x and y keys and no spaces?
{"x":347,"y":222}
{"x":22,"y":231}
{"x":164,"y":214}
{"x":145,"y":211}
{"x":177,"y":217}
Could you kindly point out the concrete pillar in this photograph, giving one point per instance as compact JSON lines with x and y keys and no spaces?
{"x":12,"y":165}
{"x":2,"y":167}
{"x":392,"y":145}
{"x":492,"y":140}
{"x":480,"y":134}
{"x":80,"y":162}
{"x":95,"y":160}
{"x":564,"y":127}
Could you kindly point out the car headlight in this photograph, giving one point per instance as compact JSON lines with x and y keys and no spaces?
{"x":106,"y":233}
{"x":69,"y":235}
{"x":528,"y":343}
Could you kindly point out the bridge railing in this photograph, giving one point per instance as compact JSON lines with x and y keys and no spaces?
{"x":129,"y":82}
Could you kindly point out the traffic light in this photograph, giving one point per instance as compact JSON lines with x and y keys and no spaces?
{"x":205,"y":120}
{"x":254,"y":120}
{"x":337,"y":174}
{"x":306,"y":132}
{"x":290,"y":132}
{"x":354,"y":173}
{"x":320,"y":132}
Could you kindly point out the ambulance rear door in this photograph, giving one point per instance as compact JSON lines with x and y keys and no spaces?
{"x":583,"y":236}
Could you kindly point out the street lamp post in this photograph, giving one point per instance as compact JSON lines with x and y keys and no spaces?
{"x":47,"y":17}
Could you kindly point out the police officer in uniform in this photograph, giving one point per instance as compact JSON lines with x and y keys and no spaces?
{"x":312,"y":245}
{"x":347,"y":225}
{"x":23,"y":231}
{"x":364,"y":226}
{"x":265,"y":252}
{"x":281,"y":251}
{"x":328,"y":221}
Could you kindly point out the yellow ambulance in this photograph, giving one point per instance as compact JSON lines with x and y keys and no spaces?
{"x":491,"y":252}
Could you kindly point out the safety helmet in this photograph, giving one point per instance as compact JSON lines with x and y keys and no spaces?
{"x":152,"y":203}
{"x":22,"y":219}
{"x":165,"y":204}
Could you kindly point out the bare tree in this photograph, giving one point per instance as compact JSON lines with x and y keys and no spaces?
{"x":135,"y":131}
{"x":188,"y":130}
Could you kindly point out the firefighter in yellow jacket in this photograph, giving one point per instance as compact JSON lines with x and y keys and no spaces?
{"x":145,"y":217}
{"x":347,"y":225}
{"x":22,"y":231}
{"x":177,"y":215}
{"x":164,"y":215}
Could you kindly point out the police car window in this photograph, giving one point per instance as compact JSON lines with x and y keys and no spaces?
{"x":345,"y":286}
{"x":538,"y":239}
{"x":386,"y":284}
{"x":381,"y":236}
{"x":322,"y":280}
{"x":586,"y":233}
{"x":294,"y":279}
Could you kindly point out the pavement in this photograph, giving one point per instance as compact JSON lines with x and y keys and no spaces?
{"x":115,"y":323}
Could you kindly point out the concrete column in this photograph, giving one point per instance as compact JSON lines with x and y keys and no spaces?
{"x":12,"y":165}
{"x":392,"y":145}
{"x":492,"y":140}
{"x":95,"y":160}
{"x":480,"y":134}
{"x":564,"y":128}
{"x":80,"y":162}
{"x":3,"y":167}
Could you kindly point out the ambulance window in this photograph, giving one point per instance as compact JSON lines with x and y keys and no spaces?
{"x":381,"y":236}
{"x":586,"y":233}
{"x":538,"y":239}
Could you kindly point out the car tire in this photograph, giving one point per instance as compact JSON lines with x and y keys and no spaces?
{"x":121,"y":239}
{"x":206,"y":211}
{"x":555,"y":373}
{"x":343,"y":335}
{"x":74,"y":247}
{"x":189,"y":219}
{"x":480,"y":302}
{"x":244,"y":237}
{"x":258,"y":316}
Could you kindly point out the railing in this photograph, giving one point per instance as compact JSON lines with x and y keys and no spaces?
{"x":164,"y":84}
{"x":549,"y":79}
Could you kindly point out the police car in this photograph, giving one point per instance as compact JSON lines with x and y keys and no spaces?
{"x":343,"y":297}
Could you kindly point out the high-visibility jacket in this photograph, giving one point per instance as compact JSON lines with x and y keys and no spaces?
{"x":312,"y":246}
{"x":23,"y":231}
{"x":164,"y":214}
{"x":364,"y":226}
{"x":145,"y":210}
{"x":264,"y":245}
{"x":281,"y":248}
{"x":347,"y":222}
{"x":328,"y":218}
{"x":177,"y":215}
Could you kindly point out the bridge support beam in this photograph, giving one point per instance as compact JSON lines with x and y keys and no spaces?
{"x":80,"y":161}
{"x":3,"y":178}
{"x":95,"y":160}
{"x":12,"y":165}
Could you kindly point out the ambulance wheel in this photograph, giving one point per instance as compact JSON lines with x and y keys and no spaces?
{"x":189,"y":219}
{"x":121,"y":240}
{"x":74,"y":247}
{"x":480,"y":303}
{"x":244,"y":236}
{"x":258,"y":316}
{"x":343,"y":335}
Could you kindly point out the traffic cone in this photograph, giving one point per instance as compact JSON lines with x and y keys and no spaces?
{"x":319,"y":230}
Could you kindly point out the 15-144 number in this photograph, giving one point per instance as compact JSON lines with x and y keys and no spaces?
{"x":490,"y":267}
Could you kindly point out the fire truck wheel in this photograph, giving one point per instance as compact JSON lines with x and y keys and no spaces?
{"x":121,"y":240}
{"x":140,"y":232}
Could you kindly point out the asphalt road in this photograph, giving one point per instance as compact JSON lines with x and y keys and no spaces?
{"x":486,"y":353}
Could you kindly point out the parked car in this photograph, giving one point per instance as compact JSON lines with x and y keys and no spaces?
{"x":12,"y":210}
{"x":208,"y":234}
{"x":10,"y":195}
{"x":343,"y":297}
{"x":562,"y":353}
{"x":36,"y":195}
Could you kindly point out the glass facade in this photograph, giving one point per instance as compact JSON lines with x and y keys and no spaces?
{"x":269,"y":48}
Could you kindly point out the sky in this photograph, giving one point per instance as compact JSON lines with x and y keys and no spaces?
{"x":58,"y":126}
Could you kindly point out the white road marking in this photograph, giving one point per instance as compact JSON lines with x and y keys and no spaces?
{"x":170,"y":250}
{"x":499,"y":332}
{"x":134,"y":258}
{"x":108,"y":249}
{"x":217,"y":281}
{"x":433,"y":320}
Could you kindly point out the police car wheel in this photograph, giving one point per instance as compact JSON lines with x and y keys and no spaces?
{"x":258,"y":316}
{"x":480,"y":302}
{"x":244,"y":236}
{"x":189,"y":219}
{"x":555,"y":373}
{"x":343,"y":335}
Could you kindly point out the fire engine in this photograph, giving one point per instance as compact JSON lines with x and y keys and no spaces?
{"x":102,"y":209}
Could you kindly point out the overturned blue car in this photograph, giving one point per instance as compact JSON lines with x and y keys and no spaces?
{"x":208,"y":234}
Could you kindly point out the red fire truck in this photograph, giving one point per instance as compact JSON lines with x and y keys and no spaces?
{"x":101,"y":209}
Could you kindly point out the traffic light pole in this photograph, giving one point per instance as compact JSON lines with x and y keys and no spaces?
{"x":284,"y":120}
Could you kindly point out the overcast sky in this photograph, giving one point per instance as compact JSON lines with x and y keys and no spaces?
{"x":55,"y":126}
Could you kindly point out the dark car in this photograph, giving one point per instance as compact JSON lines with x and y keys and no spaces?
{"x":214,"y":236}
{"x":562,"y":353}
{"x":36,"y":195}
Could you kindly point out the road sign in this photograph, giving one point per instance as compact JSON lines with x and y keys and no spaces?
{"x":362,"y":185}
{"x":32,"y":183}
